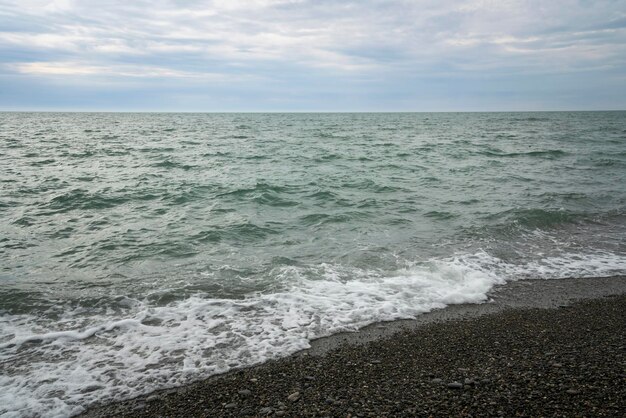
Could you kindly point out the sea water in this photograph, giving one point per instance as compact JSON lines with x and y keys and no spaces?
{"x":145,"y":251}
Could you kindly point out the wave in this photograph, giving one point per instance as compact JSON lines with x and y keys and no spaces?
{"x":317,"y":219}
{"x":370,"y":186}
{"x":144,"y":347}
{"x":440,"y":215}
{"x":533,"y":119}
{"x":257,"y":188}
{"x":172,"y":164}
{"x":273,"y":199}
{"x":242,"y":232}
{"x":547,"y":154}
{"x":537,"y":218}
{"x":324,"y":196}
{"x":83,"y":200}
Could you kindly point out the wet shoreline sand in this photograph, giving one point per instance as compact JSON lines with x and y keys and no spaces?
{"x":537,"y":348}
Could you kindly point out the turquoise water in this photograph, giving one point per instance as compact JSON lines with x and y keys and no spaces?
{"x":141,"y":251}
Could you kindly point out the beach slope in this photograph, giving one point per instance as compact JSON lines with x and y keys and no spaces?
{"x":540,"y":348}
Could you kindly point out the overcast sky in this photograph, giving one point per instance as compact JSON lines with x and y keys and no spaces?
{"x":312,"y":55}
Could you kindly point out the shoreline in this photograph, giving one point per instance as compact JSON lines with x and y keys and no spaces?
{"x":326,"y":376}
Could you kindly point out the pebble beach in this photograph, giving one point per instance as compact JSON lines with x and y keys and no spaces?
{"x":560,"y":355}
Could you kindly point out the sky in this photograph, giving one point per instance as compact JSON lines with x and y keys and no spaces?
{"x":312,"y":55}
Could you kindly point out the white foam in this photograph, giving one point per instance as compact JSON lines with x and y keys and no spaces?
{"x":54,"y":371}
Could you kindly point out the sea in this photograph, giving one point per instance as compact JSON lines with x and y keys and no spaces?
{"x":142,"y":251}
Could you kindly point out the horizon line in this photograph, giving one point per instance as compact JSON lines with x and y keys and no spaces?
{"x":308,"y":111}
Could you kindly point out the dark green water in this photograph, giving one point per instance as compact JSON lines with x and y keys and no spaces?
{"x":141,"y":251}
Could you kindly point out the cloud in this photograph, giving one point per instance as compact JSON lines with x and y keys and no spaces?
{"x":323,"y":41}
{"x":72,"y":68}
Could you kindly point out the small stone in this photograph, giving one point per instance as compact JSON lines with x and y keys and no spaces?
{"x":309,"y":378}
{"x":294,"y":396}
{"x":265,"y":411}
{"x":139,"y":406}
{"x":462,"y":370}
{"x":280,"y":413}
{"x":152,"y":398}
{"x":557,"y":365}
{"x":253,"y":380}
{"x":329,"y":401}
{"x":469,"y":381}
{"x":245,"y":392}
{"x":455,"y":385}
{"x":231,"y":405}
{"x":436,"y":381}
{"x":375,"y":361}
{"x":573,"y":391}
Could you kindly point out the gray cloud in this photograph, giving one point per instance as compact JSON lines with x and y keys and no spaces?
{"x":214,"y":41}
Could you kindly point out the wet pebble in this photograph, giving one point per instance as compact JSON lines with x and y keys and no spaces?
{"x":265,"y":411}
{"x":245,"y":392}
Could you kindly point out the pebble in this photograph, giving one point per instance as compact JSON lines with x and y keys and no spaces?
{"x":294,"y":396}
{"x":455,"y":385}
{"x":245,"y":392}
{"x":152,"y":398}
{"x":280,"y":413}
{"x":231,"y":405}
{"x":265,"y":411}
{"x":572,"y":391}
{"x":437,"y":381}
{"x":309,"y":378}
